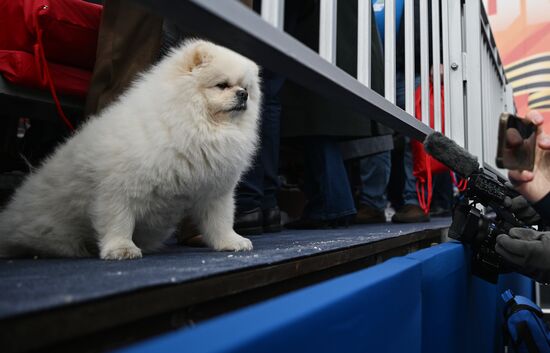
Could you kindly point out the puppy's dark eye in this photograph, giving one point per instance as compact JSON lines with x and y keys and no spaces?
{"x":222,"y":85}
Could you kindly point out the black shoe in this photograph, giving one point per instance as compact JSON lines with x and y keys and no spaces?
{"x":272,"y":220}
{"x":249,"y":222}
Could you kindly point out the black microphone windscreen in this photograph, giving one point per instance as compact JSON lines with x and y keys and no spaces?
{"x":452,"y":155}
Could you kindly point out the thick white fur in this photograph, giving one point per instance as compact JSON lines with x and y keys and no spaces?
{"x":168,"y":147}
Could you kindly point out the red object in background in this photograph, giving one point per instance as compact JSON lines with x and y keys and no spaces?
{"x":20,"y":68}
{"x":425,"y":165}
{"x":49,"y":44}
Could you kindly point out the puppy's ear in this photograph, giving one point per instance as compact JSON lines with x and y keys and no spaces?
{"x":198,"y":56}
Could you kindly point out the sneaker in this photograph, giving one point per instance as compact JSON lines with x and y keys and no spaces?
{"x":410,"y":214}
{"x":369,"y":215}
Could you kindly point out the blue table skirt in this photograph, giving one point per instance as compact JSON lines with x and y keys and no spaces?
{"x":424,"y":302}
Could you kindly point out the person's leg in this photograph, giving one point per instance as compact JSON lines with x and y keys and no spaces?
{"x":270,"y":139}
{"x":326,"y":185}
{"x":256,"y":192}
{"x":248,"y":199}
{"x":375,"y":174}
{"x":128,"y":42}
{"x":249,"y":192}
{"x":409,"y":186}
{"x":410,"y":197}
{"x":410,"y":212}
{"x":442,"y":201}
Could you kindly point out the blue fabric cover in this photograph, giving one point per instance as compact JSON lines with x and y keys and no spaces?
{"x":373,"y":310}
{"x":424,"y":302}
{"x":444,"y":297}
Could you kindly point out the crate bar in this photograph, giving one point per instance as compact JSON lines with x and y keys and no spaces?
{"x":474,"y":111}
{"x":409,"y":57}
{"x":436,"y":65}
{"x":364,"y":36}
{"x":454,"y":71}
{"x":389,"y":50}
{"x":445,"y":21}
{"x":273,"y":11}
{"x":424,"y":62}
{"x":327,"y":30}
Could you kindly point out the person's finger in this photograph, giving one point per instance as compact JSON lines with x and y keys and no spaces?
{"x":535,"y":117}
{"x":519,"y":203}
{"x":543,"y":139}
{"x":523,"y":210}
{"x":517,"y":177}
{"x":514,"y":246}
{"x":544,"y":142}
{"x":508,"y":256}
{"x":524,"y":234}
{"x":530,"y":217}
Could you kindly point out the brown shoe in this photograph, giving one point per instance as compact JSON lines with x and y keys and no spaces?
{"x":410,"y":214}
{"x":369,"y":215}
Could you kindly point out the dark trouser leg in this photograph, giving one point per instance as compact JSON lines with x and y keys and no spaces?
{"x":258,"y":186}
{"x":375,"y":174}
{"x":326,"y":181}
{"x":442,"y":192}
{"x":271,"y":137}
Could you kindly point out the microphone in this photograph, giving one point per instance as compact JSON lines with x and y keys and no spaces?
{"x":452,"y":155}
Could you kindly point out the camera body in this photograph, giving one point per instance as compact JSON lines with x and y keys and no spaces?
{"x":479,"y":231}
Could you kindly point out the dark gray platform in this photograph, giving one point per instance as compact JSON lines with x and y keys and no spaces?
{"x":30,"y":285}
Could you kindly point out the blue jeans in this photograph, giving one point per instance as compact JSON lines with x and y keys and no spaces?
{"x":326,"y":181}
{"x":375,"y":169}
{"x":258,"y":186}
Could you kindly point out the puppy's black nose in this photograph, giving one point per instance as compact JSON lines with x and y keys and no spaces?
{"x":242,"y":95}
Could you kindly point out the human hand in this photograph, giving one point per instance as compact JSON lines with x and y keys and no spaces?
{"x":536,"y":184}
{"x":528,"y":249}
{"x":523,"y":210}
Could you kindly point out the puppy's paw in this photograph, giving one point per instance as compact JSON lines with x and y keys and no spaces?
{"x":121,"y":252}
{"x":234,"y":242}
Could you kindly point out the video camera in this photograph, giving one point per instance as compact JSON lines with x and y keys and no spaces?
{"x":478,"y":230}
{"x":470,"y":225}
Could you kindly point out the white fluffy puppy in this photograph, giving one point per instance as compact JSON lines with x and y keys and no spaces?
{"x":174,"y":144}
